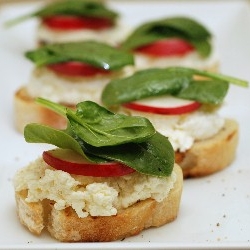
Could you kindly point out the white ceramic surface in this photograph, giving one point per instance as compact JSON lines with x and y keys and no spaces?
{"x":215,"y":210}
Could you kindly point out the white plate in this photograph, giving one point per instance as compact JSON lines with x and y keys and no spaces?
{"x":215,"y":210}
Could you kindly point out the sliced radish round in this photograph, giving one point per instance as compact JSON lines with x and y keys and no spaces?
{"x":167,"y":105}
{"x":167,"y":47}
{"x":73,"y":163}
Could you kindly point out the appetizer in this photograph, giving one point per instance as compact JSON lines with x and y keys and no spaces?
{"x":173,"y":41}
{"x":109,"y":177}
{"x":67,"y":73}
{"x":182,"y":104}
{"x":76,"y":20}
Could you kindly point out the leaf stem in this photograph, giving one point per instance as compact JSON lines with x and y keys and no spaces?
{"x":216,"y":76}
{"x":17,"y":20}
{"x":58,"y":108}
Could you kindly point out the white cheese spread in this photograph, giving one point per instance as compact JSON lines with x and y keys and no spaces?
{"x":183,"y":130}
{"x":95,"y":196}
{"x":191,"y":60}
{"x":70,"y":90}
{"x":112,"y":36}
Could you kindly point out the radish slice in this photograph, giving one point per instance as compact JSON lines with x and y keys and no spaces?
{"x":73,"y":163}
{"x":167,"y":105}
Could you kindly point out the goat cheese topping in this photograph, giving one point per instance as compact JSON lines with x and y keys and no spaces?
{"x":112,"y":36}
{"x":183,"y":130}
{"x":191,"y":60}
{"x":69,"y":90}
{"x":95,"y":196}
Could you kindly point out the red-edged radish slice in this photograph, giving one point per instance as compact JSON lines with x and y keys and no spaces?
{"x":73,"y":163}
{"x":73,"y":68}
{"x":167,"y":47}
{"x":167,"y":105}
{"x":66,"y":22}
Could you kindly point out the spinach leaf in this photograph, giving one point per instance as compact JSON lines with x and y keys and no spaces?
{"x":38,"y":133}
{"x":175,"y":81}
{"x":148,"y":152}
{"x":211,"y":75}
{"x":145,"y":83}
{"x":154,"y":156}
{"x":91,"y":52}
{"x":99,"y":127}
{"x":210,"y":92}
{"x":182,"y":27}
{"x":88,"y":8}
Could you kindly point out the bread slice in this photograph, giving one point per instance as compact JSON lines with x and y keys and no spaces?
{"x":211,"y":155}
{"x":27,"y":111}
{"x":66,"y":226}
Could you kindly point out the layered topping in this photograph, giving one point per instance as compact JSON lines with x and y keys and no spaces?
{"x":185,"y":83}
{"x":74,"y":14}
{"x":97,"y":146}
{"x":80,"y":58}
{"x":72,"y":72}
{"x":70,"y":90}
{"x":174,"y":36}
{"x":113,"y":35}
{"x":174,"y":100}
{"x":101,"y":136}
{"x":89,"y":195}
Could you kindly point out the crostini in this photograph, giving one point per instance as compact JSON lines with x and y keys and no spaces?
{"x":76,"y":20}
{"x":173,"y":41}
{"x":67,"y":73}
{"x":109,"y":177}
{"x":182,"y":104}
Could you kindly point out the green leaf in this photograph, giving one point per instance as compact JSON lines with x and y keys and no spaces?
{"x":58,"y":108}
{"x":210,"y":92}
{"x":77,"y":7}
{"x":175,"y":81}
{"x":100,"y":136}
{"x":153,"y":157}
{"x":38,"y":133}
{"x":203,"y":47}
{"x":182,"y":27}
{"x":89,"y":8}
{"x":145,"y":83}
{"x":212,"y":75}
{"x":99,"y":127}
{"x":91,"y":52}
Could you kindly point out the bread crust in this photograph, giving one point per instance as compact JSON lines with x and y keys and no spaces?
{"x":66,"y":226}
{"x":208,"y":156}
{"x":27,"y":111}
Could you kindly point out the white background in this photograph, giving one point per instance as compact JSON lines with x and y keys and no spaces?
{"x":215,"y":210}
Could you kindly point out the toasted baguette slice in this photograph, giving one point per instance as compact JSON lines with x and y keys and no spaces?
{"x":65,"y":225}
{"x":211,"y":155}
{"x":27,"y":111}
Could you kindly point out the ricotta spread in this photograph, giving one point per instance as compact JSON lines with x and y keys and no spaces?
{"x":70,"y":90}
{"x":191,"y":60}
{"x":183,"y":130}
{"x":112,"y":36}
{"x":95,"y":196}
